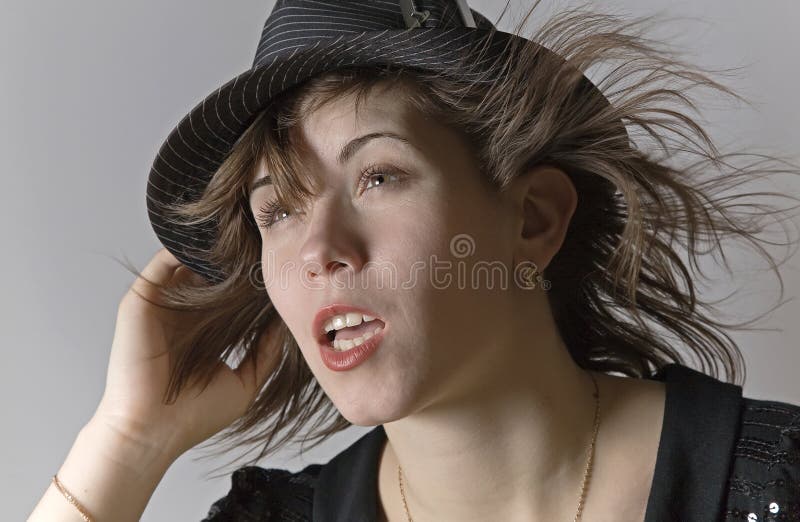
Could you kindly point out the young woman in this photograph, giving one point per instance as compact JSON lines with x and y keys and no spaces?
{"x":401,"y":217}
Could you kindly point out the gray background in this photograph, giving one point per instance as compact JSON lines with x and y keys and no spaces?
{"x":90,"y":89}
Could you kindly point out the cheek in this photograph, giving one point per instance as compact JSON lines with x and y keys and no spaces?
{"x":416,"y":222}
{"x":277,"y":274}
{"x":454,"y":240}
{"x":277,"y":270}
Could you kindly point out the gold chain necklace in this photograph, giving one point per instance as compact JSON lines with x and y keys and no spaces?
{"x":586,"y":473}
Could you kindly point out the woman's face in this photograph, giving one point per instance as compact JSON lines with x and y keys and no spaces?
{"x":403,"y":244}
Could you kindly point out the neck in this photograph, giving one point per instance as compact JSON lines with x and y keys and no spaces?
{"x":513,"y":448}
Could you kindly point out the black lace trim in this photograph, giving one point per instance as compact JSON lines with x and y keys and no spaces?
{"x":765,"y":477}
{"x":267,"y":495}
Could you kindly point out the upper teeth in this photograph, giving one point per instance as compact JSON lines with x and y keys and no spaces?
{"x":337,"y":322}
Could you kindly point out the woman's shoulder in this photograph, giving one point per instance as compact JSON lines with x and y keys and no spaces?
{"x":267,"y":494}
{"x":764,"y":482}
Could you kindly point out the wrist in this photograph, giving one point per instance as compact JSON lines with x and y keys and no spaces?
{"x":139,"y":452}
{"x":109,"y":472}
{"x":135,"y":437}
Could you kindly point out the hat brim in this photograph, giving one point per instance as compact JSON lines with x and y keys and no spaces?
{"x":199,"y":143}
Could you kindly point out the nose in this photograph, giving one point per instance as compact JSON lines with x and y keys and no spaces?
{"x":332,"y":241}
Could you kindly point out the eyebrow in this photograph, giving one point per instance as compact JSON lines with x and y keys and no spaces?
{"x":347,"y":152}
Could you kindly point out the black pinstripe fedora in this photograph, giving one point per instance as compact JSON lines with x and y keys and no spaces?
{"x":302,"y":38}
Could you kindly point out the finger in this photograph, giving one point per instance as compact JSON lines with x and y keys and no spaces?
{"x":181,"y":274}
{"x":159,"y":270}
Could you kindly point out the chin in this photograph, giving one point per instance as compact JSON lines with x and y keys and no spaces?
{"x":361,"y":416}
{"x":368,"y":420}
{"x":370,"y":409}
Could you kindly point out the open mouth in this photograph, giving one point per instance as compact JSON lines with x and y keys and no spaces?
{"x":350,"y":337}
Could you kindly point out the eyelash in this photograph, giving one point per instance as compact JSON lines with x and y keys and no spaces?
{"x":267,"y":213}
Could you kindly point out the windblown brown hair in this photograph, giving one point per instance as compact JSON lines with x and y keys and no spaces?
{"x":619,"y":286}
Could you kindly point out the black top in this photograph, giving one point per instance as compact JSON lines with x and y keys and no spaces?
{"x":721,"y":457}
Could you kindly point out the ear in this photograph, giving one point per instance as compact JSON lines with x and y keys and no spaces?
{"x":543,"y":200}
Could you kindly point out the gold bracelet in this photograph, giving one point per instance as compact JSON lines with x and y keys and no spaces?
{"x":71,"y":499}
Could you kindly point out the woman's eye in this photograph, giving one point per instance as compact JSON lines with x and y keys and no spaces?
{"x":372,"y":173}
{"x":270,"y":214}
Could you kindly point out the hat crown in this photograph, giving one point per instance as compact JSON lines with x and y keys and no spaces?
{"x":296,"y":24}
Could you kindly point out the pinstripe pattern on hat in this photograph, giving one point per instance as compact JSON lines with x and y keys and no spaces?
{"x":302,"y":38}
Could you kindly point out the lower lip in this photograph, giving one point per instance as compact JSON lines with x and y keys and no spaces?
{"x":343,"y":361}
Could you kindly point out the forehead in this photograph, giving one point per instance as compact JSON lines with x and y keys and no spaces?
{"x":323,"y":133}
{"x":321,"y":136}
